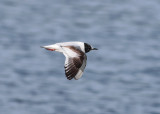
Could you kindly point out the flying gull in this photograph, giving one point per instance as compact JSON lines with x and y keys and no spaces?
{"x":75,"y":53}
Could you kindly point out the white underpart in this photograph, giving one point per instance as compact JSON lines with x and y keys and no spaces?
{"x":57,"y":46}
{"x":79,"y":45}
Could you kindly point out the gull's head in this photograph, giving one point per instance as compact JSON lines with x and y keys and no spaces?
{"x":88,"y":48}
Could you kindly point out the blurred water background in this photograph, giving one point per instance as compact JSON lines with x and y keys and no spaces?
{"x":122,"y":77}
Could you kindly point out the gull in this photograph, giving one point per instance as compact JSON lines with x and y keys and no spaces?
{"x":75,"y":53}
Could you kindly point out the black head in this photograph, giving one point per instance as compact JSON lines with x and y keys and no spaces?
{"x":88,"y":48}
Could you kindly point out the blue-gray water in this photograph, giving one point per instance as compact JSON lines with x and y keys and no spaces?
{"x":122,"y":77}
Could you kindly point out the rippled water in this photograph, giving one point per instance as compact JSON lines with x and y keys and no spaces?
{"x":122,"y":77}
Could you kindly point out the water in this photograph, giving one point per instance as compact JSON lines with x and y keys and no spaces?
{"x":122,"y":77}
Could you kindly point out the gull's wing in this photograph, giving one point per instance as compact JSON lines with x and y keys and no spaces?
{"x":75,"y":62}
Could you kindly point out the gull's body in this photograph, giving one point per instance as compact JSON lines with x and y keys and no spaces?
{"x":76,"y":58}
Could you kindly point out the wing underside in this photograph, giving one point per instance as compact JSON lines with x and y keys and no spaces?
{"x":75,"y":63}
